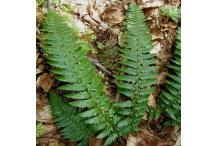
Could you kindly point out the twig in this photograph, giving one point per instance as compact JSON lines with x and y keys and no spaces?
{"x":101,"y":67}
{"x":150,"y":134}
{"x":149,"y":127}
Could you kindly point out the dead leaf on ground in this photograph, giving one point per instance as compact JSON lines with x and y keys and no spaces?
{"x":145,"y":117}
{"x":151,"y":101}
{"x":175,"y":3}
{"x":48,"y":128}
{"x":151,"y":3}
{"x":113,"y":15}
{"x":126,"y":2}
{"x":157,"y":48}
{"x":56,"y":143}
{"x":38,"y":71}
{"x":133,"y":140}
{"x":161,"y":78}
{"x":45,"y":81}
{"x":44,"y":114}
{"x":93,"y":141}
{"x":39,"y":61}
{"x":178,"y":141}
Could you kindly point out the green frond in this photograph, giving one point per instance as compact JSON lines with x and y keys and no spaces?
{"x":138,"y":72}
{"x":170,"y":96}
{"x":39,"y":130}
{"x":172,"y":12}
{"x":71,"y":125}
{"x":66,"y":53}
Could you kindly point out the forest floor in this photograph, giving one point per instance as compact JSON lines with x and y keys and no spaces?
{"x":100,"y":23}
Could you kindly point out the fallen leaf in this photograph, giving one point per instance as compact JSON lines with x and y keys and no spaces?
{"x":161,"y":78}
{"x":133,"y":140}
{"x":48,"y":128}
{"x":178,"y":141}
{"x":45,"y":81}
{"x":151,"y":3}
{"x":95,"y":142}
{"x":56,"y":143}
{"x":80,"y":25}
{"x":39,"y":61}
{"x":156,"y":49}
{"x":151,"y":101}
{"x":90,"y":20}
{"x":145,"y":117}
{"x":38,"y":71}
{"x":113,"y":15}
{"x":126,"y":2}
{"x":44,"y":114}
{"x":175,"y":3}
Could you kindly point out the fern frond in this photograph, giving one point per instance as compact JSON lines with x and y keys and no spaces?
{"x":138,"y":71}
{"x":172,"y":12}
{"x":170,"y":96}
{"x":72,"y":126}
{"x":67,"y":55}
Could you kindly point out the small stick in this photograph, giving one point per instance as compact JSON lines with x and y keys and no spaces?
{"x":150,"y":134}
{"x":101,"y":67}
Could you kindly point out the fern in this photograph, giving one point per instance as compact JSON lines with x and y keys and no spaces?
{"x":138,"y":71}
{"x":71,"y":125}
{"x":170,"y":96}
{"x":39,"y":130}
{"x":172,"y":12}
{"x":67,"y":55}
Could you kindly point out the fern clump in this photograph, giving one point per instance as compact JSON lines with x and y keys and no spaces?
{"x":138,"y":71}
{"x":71,"y":125}
{"x":170,"y":96}
{"x":66,"y":53}
{"x":172,"y":12}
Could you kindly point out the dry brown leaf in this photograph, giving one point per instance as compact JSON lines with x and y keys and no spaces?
{"x":38,"y":71}
{"x":113,"y":15}
{"x":45,"y":81}
{"x":126,"y":2}
{"x":161,"y":78}
{"x":145,"y":117}
{"x":133,"y":140}
{"x":80,"y":25}
{"x":90,"y":20}
{"x":156,"y":49}
{"x":151,"y":3}
{"x":48,"y":128}
{"x":39,"y":61}
{"x":95,"y":142}
{"x":44,"y":114}
{"x":56,"y":143}
{"x":175,"y":3}
{"x":151,"y":101}
{"x":178,"y":141}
